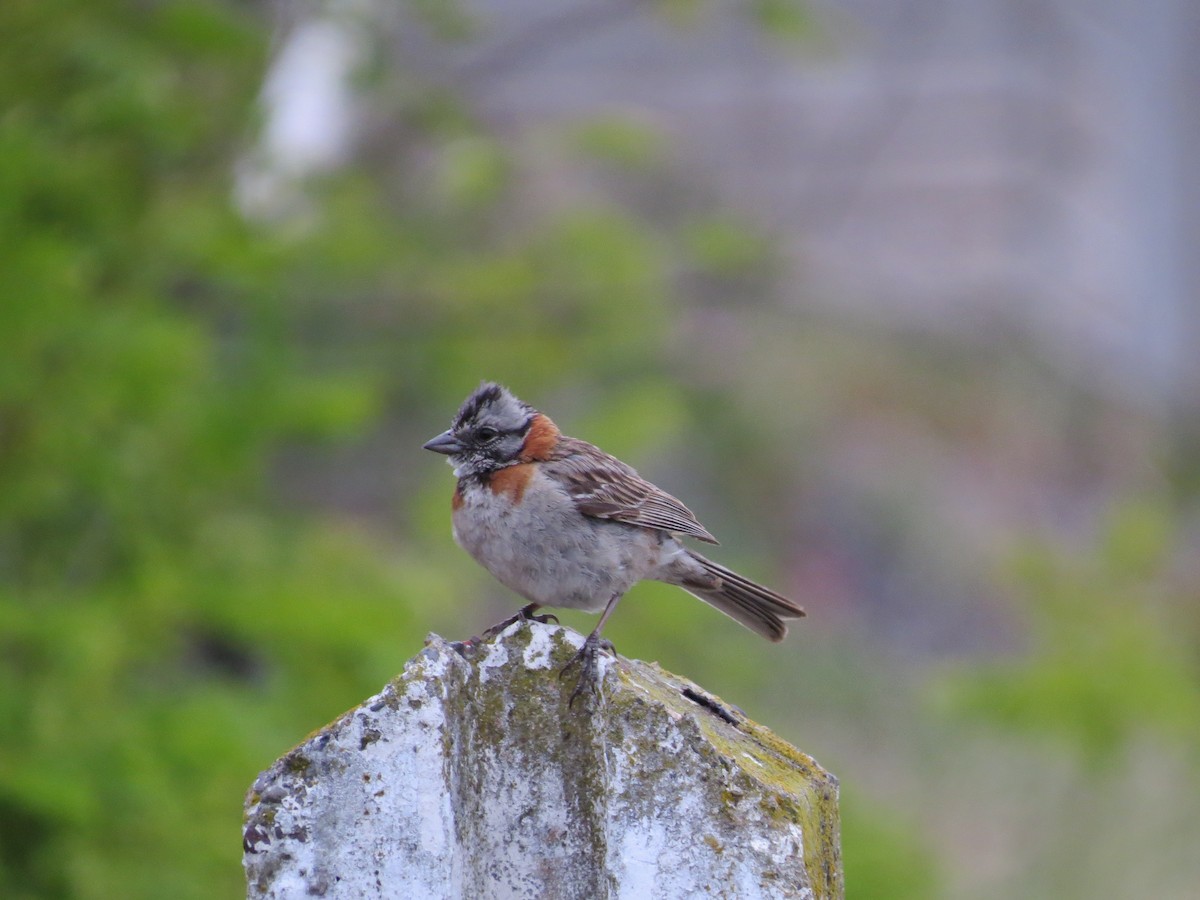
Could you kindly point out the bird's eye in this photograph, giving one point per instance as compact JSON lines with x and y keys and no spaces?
{"x":487,"y":433}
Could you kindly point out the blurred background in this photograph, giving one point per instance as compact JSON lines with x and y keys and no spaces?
{"x":897,"y":296}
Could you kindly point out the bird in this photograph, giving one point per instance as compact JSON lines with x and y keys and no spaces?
{"x":566,"y":525}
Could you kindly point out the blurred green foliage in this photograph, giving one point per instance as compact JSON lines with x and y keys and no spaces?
{"x":161,"y":630}
{"x":1112,"y":659}
{"x":882,"y":855}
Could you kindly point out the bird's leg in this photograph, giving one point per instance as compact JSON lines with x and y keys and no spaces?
{"x":524,"y":614}
{"x":586,"y":657}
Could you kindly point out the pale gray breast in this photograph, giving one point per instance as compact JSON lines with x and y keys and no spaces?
{"x":547,"y":551}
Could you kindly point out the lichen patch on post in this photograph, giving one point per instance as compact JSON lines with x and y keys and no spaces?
{"x":495,"y":658}
{"x":540,"y":649}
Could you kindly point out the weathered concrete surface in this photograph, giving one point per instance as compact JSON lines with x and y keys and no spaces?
{"x":468,"y":776}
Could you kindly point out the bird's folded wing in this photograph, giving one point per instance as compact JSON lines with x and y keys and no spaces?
{"x":604,"y":487}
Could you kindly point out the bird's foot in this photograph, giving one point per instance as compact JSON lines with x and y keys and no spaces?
{"x":524,"y":614}
{"x":589,"y":671}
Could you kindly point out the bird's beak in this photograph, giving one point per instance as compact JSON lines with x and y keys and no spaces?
{"x":445,"y":443}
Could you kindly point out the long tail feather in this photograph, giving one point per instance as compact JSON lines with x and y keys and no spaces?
{"x":758,"y":608}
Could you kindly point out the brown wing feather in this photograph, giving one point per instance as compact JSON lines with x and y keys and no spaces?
{"x":603,"y":486}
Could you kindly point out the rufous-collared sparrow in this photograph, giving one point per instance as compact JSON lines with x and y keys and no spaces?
{"x":565,"y":524}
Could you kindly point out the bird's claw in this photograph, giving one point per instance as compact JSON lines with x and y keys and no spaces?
{"x":589,"y":671}
{"x":524,"y":614}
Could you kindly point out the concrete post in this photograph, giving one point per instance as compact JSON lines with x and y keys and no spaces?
{"x":469,"y":777}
